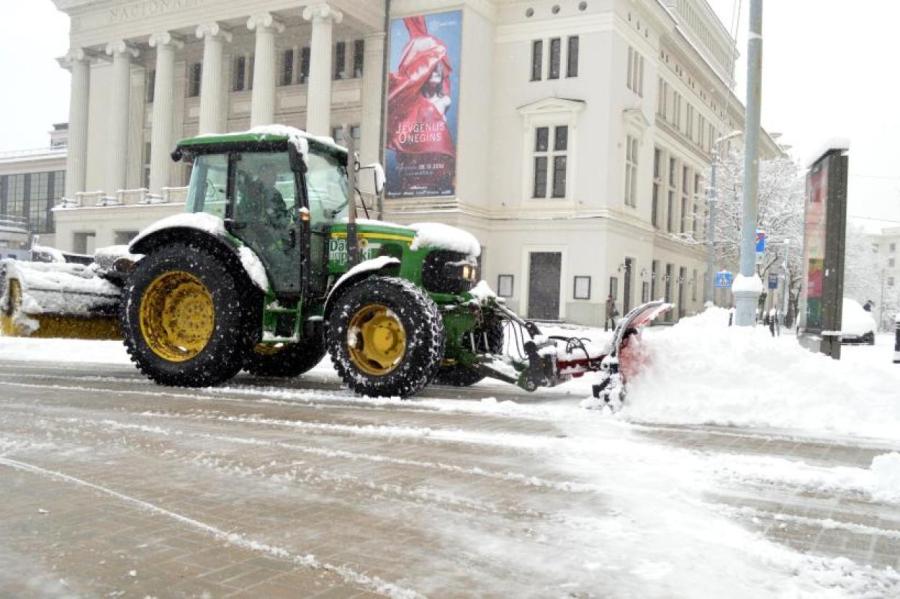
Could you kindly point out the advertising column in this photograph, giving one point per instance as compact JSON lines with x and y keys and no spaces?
{"x":823,"y":252}
{"x":423,"y":99}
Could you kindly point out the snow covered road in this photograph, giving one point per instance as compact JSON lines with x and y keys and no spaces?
{"x":112,"y":485}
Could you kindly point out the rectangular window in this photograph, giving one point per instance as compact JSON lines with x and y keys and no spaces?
{"x":893,"y":247}
{"x":537,"y":60}
{"x":287,"y":67}
{"x":559,"y":176}
{"x":695,"y":225}
{"x":359,"y":53}
{"x":145,"y":170}
{"x":303,"y":75}
{"x":645,"y":292}
{"x":701,"y":131}
{"x":670,"y":200}
{"x":694,"y":286}
{"x":251,"y":66}
{"x":890,"y":281}
{"x":663,"y":99}
{"x":555,"y":156}
{"x":239,"y":73}
{"x":340,"y":57}
{"x":572,"y":57}
{"x":195,"y":75}
{"x":555,"y":50}
{"x":676,"y":110}
{"x":15,"y":195}
{"x":505,"y":285}
{"x":689,"y":122}
{"x":634,"y":79}
{"x":631,"y":164}
{"x":685,"y":198}
{"x":614,"y":288}
{"x":654,"y":272}
{"x":540,"y":177}
{"x":151,"y":85}
{"x":891,"y":262}
{"x":582,"y":288}
{"x":657,"y":187}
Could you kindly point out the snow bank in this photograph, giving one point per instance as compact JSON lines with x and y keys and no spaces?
{"x":855,"y":320}
{"x":886,"y":477}
{"x":742,"y":283}
{"x":445,"y":237}
{"x":702,"y":371}
{"x":62,"y":351}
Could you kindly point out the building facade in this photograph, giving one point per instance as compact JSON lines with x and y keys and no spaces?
{"x":31,"y":183}
{"x":582,"y":130}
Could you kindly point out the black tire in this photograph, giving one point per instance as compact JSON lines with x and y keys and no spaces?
{"x":423,"y":330}
{"x":233,"y":299}
{"x":460,"y":375}
{"x":289,"y":360}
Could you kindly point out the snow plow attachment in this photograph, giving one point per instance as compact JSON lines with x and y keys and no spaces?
{"x":55,"y":299}
{"x":532,"y":360}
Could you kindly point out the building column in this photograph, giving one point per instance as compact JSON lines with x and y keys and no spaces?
{"x":373,"y":79}
{"x":163,"y":111}
{"x":212,"y":113}
{"x":262,"y":109}
{"x":79,"y":101}
{"x":318,"y":95}
{"x":117,"y":137}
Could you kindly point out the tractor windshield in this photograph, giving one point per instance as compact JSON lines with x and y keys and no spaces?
{"x":326,"y":182}
{"x":209,"y":178}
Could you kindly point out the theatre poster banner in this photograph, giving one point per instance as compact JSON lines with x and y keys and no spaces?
{"x":423,"y":104}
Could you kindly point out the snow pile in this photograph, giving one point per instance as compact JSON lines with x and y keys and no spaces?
{"x":886,"y":477}
{"x":742,"y":283}
{"x":254,"y":267}
{"x":445,"y":237}
{"x":702,"y":371}
{"x":54,"y":254}
{"x":482,"y":292}
{"x":855,"y":320}
{"x":53,"y":288}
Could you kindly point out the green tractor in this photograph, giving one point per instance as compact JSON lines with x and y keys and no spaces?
{"x":269,"y":269}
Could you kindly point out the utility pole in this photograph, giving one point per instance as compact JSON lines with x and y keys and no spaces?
{"x":747,"y":295}
{"x":786,"y":290}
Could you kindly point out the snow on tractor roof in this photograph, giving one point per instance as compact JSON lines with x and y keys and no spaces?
{"x":299,"y":138}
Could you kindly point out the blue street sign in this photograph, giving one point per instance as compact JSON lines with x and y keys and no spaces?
{"x":773,"y":281}
{"x":724,"y":279}
{"x":760,"y":242}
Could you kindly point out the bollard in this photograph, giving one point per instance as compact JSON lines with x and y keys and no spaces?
{"x":897,"y":341}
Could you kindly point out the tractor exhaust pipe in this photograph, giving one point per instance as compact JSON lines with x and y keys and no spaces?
{"x":352,"y":166}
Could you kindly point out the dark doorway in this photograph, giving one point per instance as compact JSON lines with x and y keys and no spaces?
{"x":626,"y":293}
{"x":545,"y":272}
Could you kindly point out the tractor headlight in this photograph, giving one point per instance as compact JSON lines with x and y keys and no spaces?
{"x":449,"y":272}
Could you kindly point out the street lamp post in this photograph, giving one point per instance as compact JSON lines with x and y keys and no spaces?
{"x":747,"y":296}
{"x":711,"y":225}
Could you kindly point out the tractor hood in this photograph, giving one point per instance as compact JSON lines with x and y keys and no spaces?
{"x":420,"y":235}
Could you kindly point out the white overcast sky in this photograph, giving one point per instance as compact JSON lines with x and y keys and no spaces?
{"x":827,"y":73}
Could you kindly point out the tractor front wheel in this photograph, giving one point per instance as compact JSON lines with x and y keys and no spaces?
{"x":288,"y":360}
{"x":386,"y":337}
{"x":185,"y":317}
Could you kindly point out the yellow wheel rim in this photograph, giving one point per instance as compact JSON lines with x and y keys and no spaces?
{"x":177,"y":316}
{"x":376,"y":340}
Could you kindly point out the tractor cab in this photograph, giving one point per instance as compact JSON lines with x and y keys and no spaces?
{"x":278,"y":195}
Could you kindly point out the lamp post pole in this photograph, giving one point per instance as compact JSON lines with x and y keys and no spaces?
{"x":747,"y":296}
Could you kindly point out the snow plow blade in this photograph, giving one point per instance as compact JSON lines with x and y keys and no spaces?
{"x":57,"y":300}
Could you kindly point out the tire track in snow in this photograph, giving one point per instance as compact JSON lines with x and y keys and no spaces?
{"x":347,"y":574}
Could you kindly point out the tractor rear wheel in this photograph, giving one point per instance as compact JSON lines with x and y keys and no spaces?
{"x":386,"y":337}
{"x":185,"y":317}
{"x":460,"y":375}
{"x":288,"y":360}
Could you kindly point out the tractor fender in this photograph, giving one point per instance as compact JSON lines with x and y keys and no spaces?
{"x":363,"y":270}
{"x":236,"y":256}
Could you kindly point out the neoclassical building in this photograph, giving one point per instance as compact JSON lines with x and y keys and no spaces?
{"x":581,"y":131}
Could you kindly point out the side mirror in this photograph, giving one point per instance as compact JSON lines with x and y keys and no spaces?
{"x":370,"y":179}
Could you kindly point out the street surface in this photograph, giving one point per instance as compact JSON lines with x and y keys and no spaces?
{"x":113,"y":486}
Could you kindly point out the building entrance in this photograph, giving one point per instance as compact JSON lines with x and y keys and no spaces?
{"x":545,"y":270}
